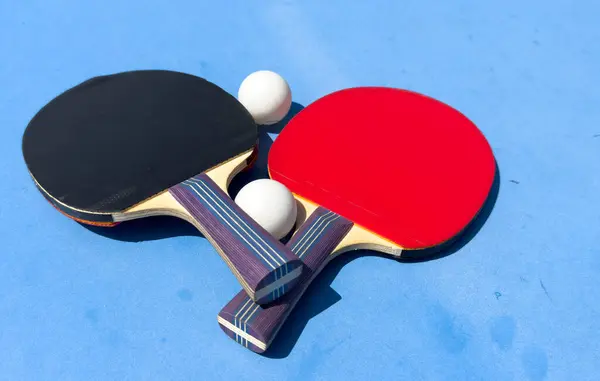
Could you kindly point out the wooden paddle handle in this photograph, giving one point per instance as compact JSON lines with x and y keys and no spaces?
{"x":255,"y":326}
{"x":265,"y":267}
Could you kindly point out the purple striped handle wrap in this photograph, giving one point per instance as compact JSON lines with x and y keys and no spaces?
{"x":264,"y":266}
{"x":255,"y":326}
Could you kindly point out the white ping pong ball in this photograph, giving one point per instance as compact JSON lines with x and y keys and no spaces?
{"x":266,"y":95}
{"x":270,"y":204}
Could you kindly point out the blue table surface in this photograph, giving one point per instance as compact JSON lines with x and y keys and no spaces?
{"x":516,"y":300}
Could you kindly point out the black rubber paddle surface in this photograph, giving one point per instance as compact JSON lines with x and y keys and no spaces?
{"x":114,"y":141}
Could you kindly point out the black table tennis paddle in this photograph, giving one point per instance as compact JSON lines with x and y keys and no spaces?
{"x":155,"y":142}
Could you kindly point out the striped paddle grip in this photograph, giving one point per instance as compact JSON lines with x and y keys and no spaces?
{"x":255,"y":326}
{"x":265,"y":267}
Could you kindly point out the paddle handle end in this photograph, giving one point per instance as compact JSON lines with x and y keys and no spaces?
{"x":255,"y":326}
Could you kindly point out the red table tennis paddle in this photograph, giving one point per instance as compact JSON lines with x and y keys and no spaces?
{"x":377,"y":168}
{"x":154,"y":142}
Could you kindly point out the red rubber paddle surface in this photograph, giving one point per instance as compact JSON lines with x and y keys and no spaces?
{"x":403,"y":165}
